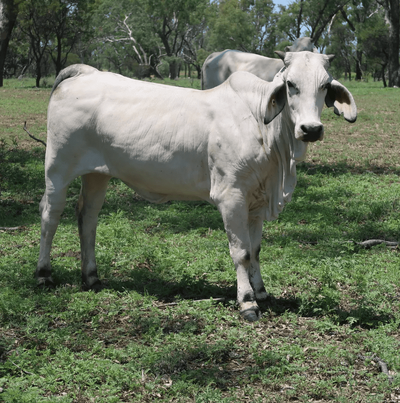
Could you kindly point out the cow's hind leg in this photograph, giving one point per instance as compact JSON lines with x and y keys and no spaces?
{"x":51,"y":207}
{"x":256,"y":280}
{"x":91,"y":198}
{"x":235,"y":215}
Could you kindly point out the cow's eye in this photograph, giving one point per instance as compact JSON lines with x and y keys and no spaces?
{"x":292,"y":88}
{"x":324,"y":87}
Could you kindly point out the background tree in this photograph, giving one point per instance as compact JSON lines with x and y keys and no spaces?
{"x":194,"y":40}
{"x":231,"y":26}
{"x":126,"y":34}
{"x":148,"y":37}
{"x":70,"y":23}
{"x":170,"y":19}
{"x":375,"y":44}
{"x":392,"y":16}
{"x":312,"y":17}
{"x":8,"y":17}
{"x":18,"y":57}
{"x":36,"y":22}
{"x":247,"y":25}
{"x":341,"y":43}
{"x":264,"y":21}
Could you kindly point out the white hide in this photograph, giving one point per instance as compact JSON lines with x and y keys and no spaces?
{"x":220,"y":65}
{"x":223,"y":145}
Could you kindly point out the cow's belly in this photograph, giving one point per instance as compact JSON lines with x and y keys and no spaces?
{"x":155,"y":197}
{"x":179,"y":177}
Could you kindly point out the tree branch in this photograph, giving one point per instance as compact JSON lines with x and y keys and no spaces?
{"x":382,"y":365}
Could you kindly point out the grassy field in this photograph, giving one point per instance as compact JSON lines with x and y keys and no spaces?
{"x":167,"y":328}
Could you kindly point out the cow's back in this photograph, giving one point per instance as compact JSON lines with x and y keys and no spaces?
{"x":221,"y":65}
{"x":216,"y":69}
{"x":106,"y":123}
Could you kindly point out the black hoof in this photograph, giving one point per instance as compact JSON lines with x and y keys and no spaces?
{"x":96,"y":286}
{"x":251,"y":315}
{"x":45,"y":283}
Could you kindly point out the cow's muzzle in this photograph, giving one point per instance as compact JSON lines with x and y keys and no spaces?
{"x":312,"y":132}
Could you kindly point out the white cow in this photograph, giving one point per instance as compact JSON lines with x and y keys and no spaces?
{"x":220,"y":65}
{"x":167,"y":143}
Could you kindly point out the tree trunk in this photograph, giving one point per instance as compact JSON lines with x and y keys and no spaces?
{"x":392,"y":11}
{"x":38,"y":75}
{"x":198,"y":68}
{"x":58,"y":61}
{"x":383,"y":76}
{"x":7,"y":23}
{"x":358,"y":66}
{"x":173,"y":69}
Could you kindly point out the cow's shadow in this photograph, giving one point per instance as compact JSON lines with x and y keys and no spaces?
{"x":193,"y":289}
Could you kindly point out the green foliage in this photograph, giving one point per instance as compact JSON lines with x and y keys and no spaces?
{"x":244,"y":25}
{"x":145,"y":38}
{"x":157,"y":332}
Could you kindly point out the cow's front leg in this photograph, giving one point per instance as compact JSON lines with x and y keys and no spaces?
{"x":91,"y":198}
{"x":256,"y":281}
{"x":236,"y":220}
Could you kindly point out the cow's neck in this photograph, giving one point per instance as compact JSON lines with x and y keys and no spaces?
{"x":283,"y":152}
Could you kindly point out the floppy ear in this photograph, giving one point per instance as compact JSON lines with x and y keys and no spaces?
{"x":276,"y":100}
{"x":342,"y":101}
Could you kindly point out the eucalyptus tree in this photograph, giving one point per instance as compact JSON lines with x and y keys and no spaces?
{"x":52,"y":29}
{"x":359,"y":35}
{"x":194,"y":41}
{"x":340,"y":42}
{"x":375,"y":41}
{"x":247,"y":25}
{"x":392,"y":19}
{"x":70,"y":23}
{"x":366,"y":20}
{"x":311,"y":17}
{"x":36,"y":22}
{"x":231,"y":26}
{"x":125,"y":33}
{"x":171,"y":20}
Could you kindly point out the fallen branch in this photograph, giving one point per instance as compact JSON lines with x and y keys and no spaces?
{"x":373,"y":242}
{"x":25,"y":372}
{"x":369,"y":243}
{"x":193,"y":300}
{"x":11,"y":228}
{"x":33,"y":137}
{"x":382,"y":365}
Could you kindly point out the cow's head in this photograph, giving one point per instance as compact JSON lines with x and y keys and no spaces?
{"x":308,"y":86}
{"x":302,"y":44}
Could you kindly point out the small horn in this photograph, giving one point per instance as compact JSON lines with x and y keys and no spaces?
{"x":281,"y":54}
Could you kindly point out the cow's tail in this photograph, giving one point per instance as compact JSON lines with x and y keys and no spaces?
{"x":72,"y":71}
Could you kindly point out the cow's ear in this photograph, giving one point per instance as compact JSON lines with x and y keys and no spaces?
{"x":342,"y":101}
{"x":276,"y":100}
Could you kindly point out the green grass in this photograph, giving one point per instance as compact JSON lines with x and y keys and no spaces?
{"x":156,"y":333}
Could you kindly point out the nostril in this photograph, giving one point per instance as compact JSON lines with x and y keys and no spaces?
{"x":311,"y":129}
{"x":312,"y":132}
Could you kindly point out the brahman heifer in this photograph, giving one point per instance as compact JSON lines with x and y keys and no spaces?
{"x":168,"y":143}
{"x":220,"y":65}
